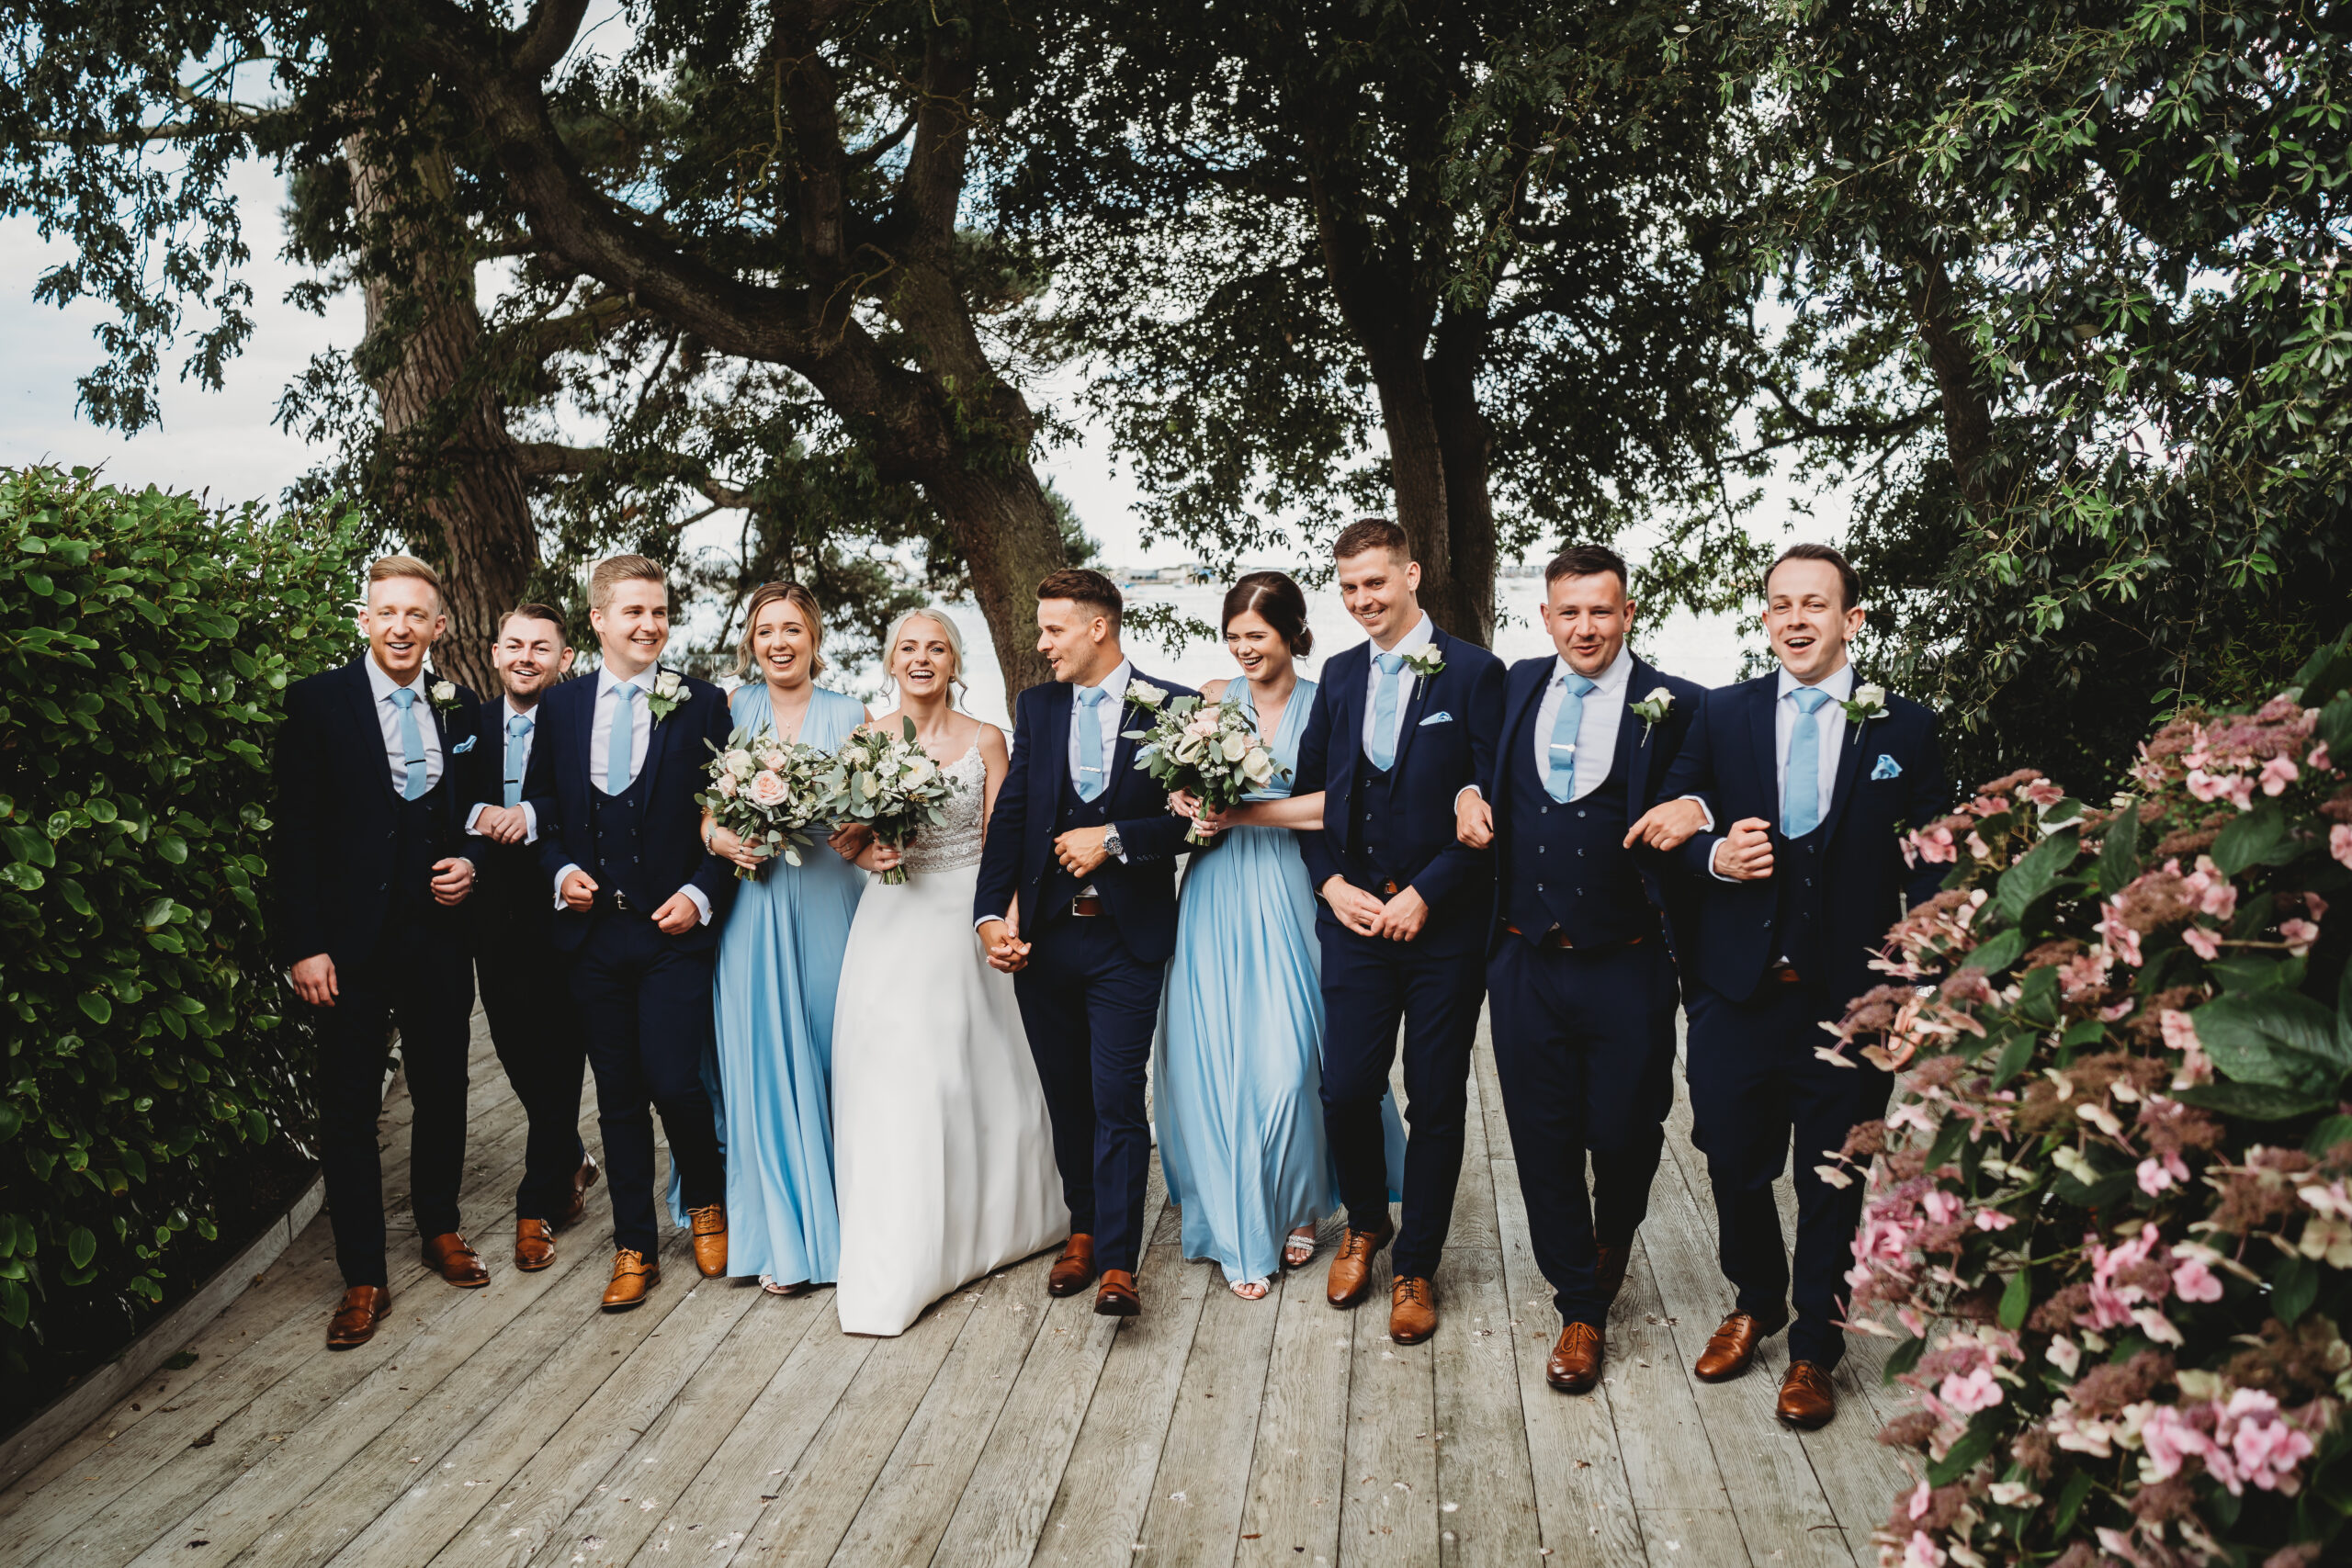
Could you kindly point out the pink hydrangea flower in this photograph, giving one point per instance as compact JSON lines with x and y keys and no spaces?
{"x":2277,"y":773}
{"x":2339,"y":841}
{"x":2298,"y":935}
{"x":2192,"y":1280}
{"x":1977,"y":1391}
{"x":2202,"y":942}
{"x":1933,"y":844}
{"x":2159,"y":1173}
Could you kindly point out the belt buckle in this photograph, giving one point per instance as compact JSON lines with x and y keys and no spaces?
{"x":621,"y":903}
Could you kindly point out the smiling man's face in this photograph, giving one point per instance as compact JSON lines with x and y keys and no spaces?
{"x":1806,"y":616}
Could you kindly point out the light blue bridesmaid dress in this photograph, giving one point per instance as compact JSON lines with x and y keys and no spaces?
{"x":779,"y":961}
{"x":1237,"y":1077}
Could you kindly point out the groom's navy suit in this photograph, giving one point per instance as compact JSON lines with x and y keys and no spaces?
{"x":1385,"y":830}
{"x":1580,"y":984}
{"x":351,"y":875}
{"x":1089,"y":996}
{"x":644,"y":996}
{"x":1768,"y":961}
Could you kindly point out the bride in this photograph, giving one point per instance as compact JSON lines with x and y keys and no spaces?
{"x":943,"y":1162}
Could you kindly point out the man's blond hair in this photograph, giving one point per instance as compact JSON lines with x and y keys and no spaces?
{"x":614,"y":570}
{"x":387,"y":568}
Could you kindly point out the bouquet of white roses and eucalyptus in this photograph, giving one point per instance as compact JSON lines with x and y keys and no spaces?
{"x":767,"y":792}
{"x":1212,"y":752}
{"x":887,"y":782}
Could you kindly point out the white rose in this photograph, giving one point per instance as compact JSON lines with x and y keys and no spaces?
{"x":1661,"y":696}
{"x":666,"y":683}
{"x":920,"y":771}
{"x":773,"y":757}
{"x":1871,"y":696}
{"x":1144,"y":692}
{"x":739,"y":763}
{"x":1235,"y":747}
{"x":444,"y":692}
{"x":1257,"y":766}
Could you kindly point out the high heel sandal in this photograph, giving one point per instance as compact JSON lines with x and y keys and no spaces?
{"x":767,"y":1283}
{"x":1249,"y":1289}
{"x":1298,"y":1248}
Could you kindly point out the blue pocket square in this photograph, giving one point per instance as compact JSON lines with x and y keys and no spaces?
{"x":1437,"y":718}
{"x":1886,"y":768}
{"x":462,"y":747}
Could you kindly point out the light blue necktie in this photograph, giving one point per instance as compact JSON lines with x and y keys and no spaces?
{"x":412,"y":744}
{"x":1560,"y":780}
{"x":622,"y":751}
{"x":1801,"y":794}
{"x":1383,"y":711}
{"x":518,"y":726}
{"x":1090,"y":741}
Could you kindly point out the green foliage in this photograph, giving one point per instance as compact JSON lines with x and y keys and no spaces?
{"x":145,"y":644}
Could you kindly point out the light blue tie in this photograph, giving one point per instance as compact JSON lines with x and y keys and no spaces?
{"x":1560,"y":780}
{"x":1383,"y":711}
{"x":1801,"y":794}
{"x":518,"y":727}
{"x":1090,"y":741}
{"x":412,"y":744}
{"x":622,"y":752}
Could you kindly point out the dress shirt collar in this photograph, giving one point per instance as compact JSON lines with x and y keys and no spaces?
{"x":1423,"y":633}
{"x":608,"y":682}
{"x":1612,"y":678}
{"x":1115,"y":685}
{"x":1839,"y":684}
{"x":513,"y":712}
{"x":383,"y":685}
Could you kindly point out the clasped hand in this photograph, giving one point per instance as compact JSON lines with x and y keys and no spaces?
{"x":677,"y":915}
{"x":1006,"y":950}
{"x":1080,"y":851}
{"x":1397,"y":918}
{"x":1206,"y":820}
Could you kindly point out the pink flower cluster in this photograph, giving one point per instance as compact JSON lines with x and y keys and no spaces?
{"x":2129,"y":1283}
{"x":2248,"y":1439}
{"x":2231,"y":758}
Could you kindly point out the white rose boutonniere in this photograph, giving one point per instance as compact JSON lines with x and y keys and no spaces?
{"x":1424,"y":662}
{"x":442,"y":695}
{"x":669,"y":690}
{"x":1869,"y":702}
{"x":1143,"y":694}
{"x":1652,"y":710}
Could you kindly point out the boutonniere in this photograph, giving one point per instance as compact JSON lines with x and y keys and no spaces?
{"x":1424,"y":662}
{"x":1652,"y":710}
{"x":669,"y":690}
{"x":441,"y":696}
{"x":1869,"y":702}
{"x":1143,"y":694}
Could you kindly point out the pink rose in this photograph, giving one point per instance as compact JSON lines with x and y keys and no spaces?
{"x":768,"y":790}
{"x":725,"y":786}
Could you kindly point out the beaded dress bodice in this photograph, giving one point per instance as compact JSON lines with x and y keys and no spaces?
{"x":954,"y":843}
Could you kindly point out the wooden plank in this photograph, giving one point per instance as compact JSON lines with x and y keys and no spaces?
{"x":1473,"y":1224}
{"x":1195,"y":1510}
{"x":1300,"y":1450}
{"x":1490,"y":1094}
{"x":1676,"y":1472}
{"x":1485,"y":1486}
{"x":1388,"y":1508}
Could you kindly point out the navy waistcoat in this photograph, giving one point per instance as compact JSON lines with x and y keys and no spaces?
{"x":617,"y":825}
{"x":1569,"y":864}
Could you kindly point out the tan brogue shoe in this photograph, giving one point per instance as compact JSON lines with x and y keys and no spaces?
{"x":1574,"y":1365}
{"x":1117,"y":1297}
{"x":1074,"y":1270}
{"x":1807,"y":1402}
{"x":710,"y":1240}
{"x":1612,"y":1272}
{"x":1412,"y":1309}
{"x":1732,"y":1347}
{"x":634,"y":1275}
{"x":1351,"y":1274}
{"x":581,"y":1179}
{"x":534,"y":1244}
{"x":454,"y":1258}
{"x":356,"y":1320}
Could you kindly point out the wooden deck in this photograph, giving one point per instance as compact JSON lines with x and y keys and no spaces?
{"x":518,"y":1425}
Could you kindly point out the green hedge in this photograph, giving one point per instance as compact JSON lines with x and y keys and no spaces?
{"x":145,"y":643}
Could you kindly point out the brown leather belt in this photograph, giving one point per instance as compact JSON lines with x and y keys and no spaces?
{"x":1389,"y":890}
{"x":1785,"y":973}
{"x":1556,"y":937}
{"x":1088,"y":908}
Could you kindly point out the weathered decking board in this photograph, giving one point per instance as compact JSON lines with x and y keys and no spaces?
{"x":520,"y":1426}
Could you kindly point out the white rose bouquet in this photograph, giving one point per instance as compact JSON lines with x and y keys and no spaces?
{"x":1212,"y":753}
{"x":767,"y":792}
{"x":888,"y":782}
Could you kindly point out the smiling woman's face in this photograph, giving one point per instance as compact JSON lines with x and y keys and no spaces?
{"x":1257,"y":647}
{"x":922,"y":661}
{"x":783,"y":645}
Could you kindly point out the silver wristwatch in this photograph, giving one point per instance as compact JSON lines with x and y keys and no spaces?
{"x":1111,"y":845}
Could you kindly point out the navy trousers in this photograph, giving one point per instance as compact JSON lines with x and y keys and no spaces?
{"x":1090,"y":1007}
{"x":535,"y":1025}
{"x":1754,"y":1082}
{"x":418,"y":979}
{"x":1584,"y":1050}
{"x":646,"y":1003}
{"x":1432,"y":988}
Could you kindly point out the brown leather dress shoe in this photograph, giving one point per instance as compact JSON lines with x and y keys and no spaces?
{"x":1612,"y":1272}
{"x":634,"y":1275}
{"x":710,"y":1240}
{"x":1117,"y":1297}
{"x":581,"y":1179}
{"x":454,"y":1258}
{"x":1732,"y":1347}
{"x":534,"y":1244}
{"x":1807,"y":1402}
{"x":1575,"y":1362}
{"x":1074,"y":1270}
{"x":1412,"y":1309}
{"x":356,"y":1320}
{"x":1351,"y":1274}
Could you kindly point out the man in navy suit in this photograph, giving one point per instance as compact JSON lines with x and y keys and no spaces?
{"x":1582,"y":982}
{"x":375,"y":775}
{"x":526,"y":993}
{"x":1401,"y":727}
{"x":615,"y":767}
{"x":1076,"y":898}
{"x":1818,"y":777}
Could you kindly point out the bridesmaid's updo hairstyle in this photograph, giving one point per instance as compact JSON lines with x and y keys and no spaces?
{"x":799,"y":598}
{"x":1278,"y":601}
{"x":948,"y":634}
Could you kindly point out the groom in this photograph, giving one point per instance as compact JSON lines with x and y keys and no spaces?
{"x":1401,"y":727}
{"x":614,"y":764}
{"x":1077,"y":900}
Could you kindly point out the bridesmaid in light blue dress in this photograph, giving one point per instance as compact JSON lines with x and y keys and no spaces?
{"x":770,"y":1073}
{"x":1237,"y":1078}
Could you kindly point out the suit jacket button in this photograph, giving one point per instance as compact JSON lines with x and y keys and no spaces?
{"x":1579,"y":810}
{"x":383,"y":887}
{"x":1539,"y":887}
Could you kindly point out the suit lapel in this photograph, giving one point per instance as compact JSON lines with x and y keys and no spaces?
{"x":1519,"y":713}
{"x":371,"y":730}
{"x":1123,"y":750}
{"x":1849,"y":763}
{"x":596,"y":684}
{"x":1760,"y":726}
{"x":1346,"y":680}
{"x":1053,"y":749}
{"x":1633,"y":737}
{"x":1416,"y":699}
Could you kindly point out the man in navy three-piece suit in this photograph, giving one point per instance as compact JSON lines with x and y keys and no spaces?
{"x":1816,"y":777}
{"x":1582,"y":982}
{"x":1400,"y":727}
{"x":1076,"y":898}
{"x":614,"y":765}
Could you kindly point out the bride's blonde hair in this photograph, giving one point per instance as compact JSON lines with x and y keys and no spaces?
{"x":947,"y":631}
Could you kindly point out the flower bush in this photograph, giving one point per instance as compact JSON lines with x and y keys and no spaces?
{"x":2109,"y":1215}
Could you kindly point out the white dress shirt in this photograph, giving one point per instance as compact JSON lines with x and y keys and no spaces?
{"x":1830,"y":724}
{"x":1115,"y":700}
{"x":509,"y":713}
{"x":599,"y":744}
{"x":1604,"y":709}
{"x":388,"y":719}
{"x":1422,"y":633}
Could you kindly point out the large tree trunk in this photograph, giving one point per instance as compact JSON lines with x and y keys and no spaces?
{"x":1010,"y":540}
{"x":454,"y":463}
{"x":1967,"y":410}
{"x":1465,"y":440}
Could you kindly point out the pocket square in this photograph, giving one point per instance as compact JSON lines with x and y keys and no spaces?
{"x":1437,"y":718}
{"x":1886,"y":768}
{"x":462,"y":747}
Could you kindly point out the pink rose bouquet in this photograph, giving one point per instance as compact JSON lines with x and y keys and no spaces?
{"x":767,"y":792}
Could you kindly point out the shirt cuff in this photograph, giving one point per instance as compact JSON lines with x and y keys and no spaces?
{"x":1705,"y":810}
{"x":701,"y":901}
{"x":531,"y":824}
{"x":475,"y":816}
{"x":1467,"y":789}
{"x":1718,"y":876}
{"x":559,"y":875}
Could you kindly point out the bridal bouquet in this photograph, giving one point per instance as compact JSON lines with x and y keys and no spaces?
{"x":888,"y":782}
{"x":1214,"y":754}
{"x":767,"y":792}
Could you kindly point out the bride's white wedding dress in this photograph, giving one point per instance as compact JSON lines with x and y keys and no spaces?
{"x":943,"y":1158}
